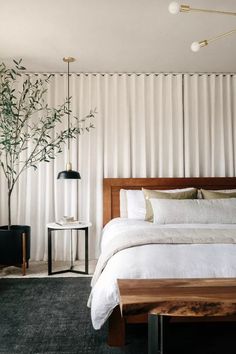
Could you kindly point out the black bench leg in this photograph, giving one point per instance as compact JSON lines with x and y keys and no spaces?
{"x":156,"y":333}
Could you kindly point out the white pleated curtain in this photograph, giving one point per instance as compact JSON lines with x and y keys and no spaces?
{"x":148,"y":125}
{"x":210,"y":125}
{"x":143,"y":134}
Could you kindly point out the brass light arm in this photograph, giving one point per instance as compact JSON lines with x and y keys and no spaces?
{"x":195,"y":46}
{"x":221,"y":35}
{"x":175,"y":8}
{"x":187,"y":8}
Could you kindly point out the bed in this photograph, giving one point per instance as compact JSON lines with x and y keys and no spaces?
{"x":205,"y":249}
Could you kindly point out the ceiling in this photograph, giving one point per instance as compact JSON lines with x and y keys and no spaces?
{"x":115,"y":36}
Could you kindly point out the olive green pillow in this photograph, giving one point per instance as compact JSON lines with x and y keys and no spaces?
{"x":149,"y":193}
{"x":206,"y":194}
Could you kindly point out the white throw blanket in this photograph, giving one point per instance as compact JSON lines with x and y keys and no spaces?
{"x":143,"y":236}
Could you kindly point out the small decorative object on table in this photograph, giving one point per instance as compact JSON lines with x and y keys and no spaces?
{"x":71,"y":225}
{"x":68,"y":220}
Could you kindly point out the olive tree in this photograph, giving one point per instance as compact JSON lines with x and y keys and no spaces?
{"x":28,"y":133}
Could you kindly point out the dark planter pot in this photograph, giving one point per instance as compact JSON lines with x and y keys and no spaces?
{"x":11,"y":244}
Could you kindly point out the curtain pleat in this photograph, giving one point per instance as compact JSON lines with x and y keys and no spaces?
{"x":151,"y":125}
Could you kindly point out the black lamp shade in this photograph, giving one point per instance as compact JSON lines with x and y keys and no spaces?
{"x":70,"y":174}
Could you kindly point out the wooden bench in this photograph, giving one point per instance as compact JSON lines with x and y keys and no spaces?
{"x":164,"y":298}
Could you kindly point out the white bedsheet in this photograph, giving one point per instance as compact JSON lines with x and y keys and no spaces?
{"x":157,"y":261}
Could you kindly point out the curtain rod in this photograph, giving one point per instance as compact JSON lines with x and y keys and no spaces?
{"x":138,"y":74}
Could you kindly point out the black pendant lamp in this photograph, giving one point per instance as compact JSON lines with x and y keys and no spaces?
{"x":68,"y":173}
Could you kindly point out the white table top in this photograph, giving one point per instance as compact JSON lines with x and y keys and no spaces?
{"x":69,"y":226}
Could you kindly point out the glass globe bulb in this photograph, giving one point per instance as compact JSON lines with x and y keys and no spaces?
{"x":174,"y":8}
{"x":195,"y":46}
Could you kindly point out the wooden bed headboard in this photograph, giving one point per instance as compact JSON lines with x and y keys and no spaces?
{"x":112,"y":186}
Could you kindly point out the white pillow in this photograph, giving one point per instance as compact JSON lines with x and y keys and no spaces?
{"x":194,"y":211}
{"x":133,"y":205}
{"x":136,"y":206}
{"x":123,"y":204}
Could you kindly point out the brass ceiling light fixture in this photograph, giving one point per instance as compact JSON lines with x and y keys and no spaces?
{"x":68,"y":173}
{"x":175,"y":8}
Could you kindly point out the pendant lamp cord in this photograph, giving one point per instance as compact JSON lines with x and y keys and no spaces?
{"x":68,"y":107}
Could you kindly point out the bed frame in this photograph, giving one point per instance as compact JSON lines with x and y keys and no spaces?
{"x":111,"y":209}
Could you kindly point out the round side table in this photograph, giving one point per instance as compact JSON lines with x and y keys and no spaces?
{"x":80,"y":226}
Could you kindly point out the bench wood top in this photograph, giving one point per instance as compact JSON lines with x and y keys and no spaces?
{"x":178,"y":297}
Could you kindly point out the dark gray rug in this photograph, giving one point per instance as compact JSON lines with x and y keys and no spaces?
{"x":51,"y":316}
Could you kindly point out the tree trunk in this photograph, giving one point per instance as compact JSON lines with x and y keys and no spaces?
{"x":9,"y":209}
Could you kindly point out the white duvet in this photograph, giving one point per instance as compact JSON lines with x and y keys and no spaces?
{"x":158,"y":260}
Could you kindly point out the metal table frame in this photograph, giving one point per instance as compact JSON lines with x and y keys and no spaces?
{"x":71,"y":228}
